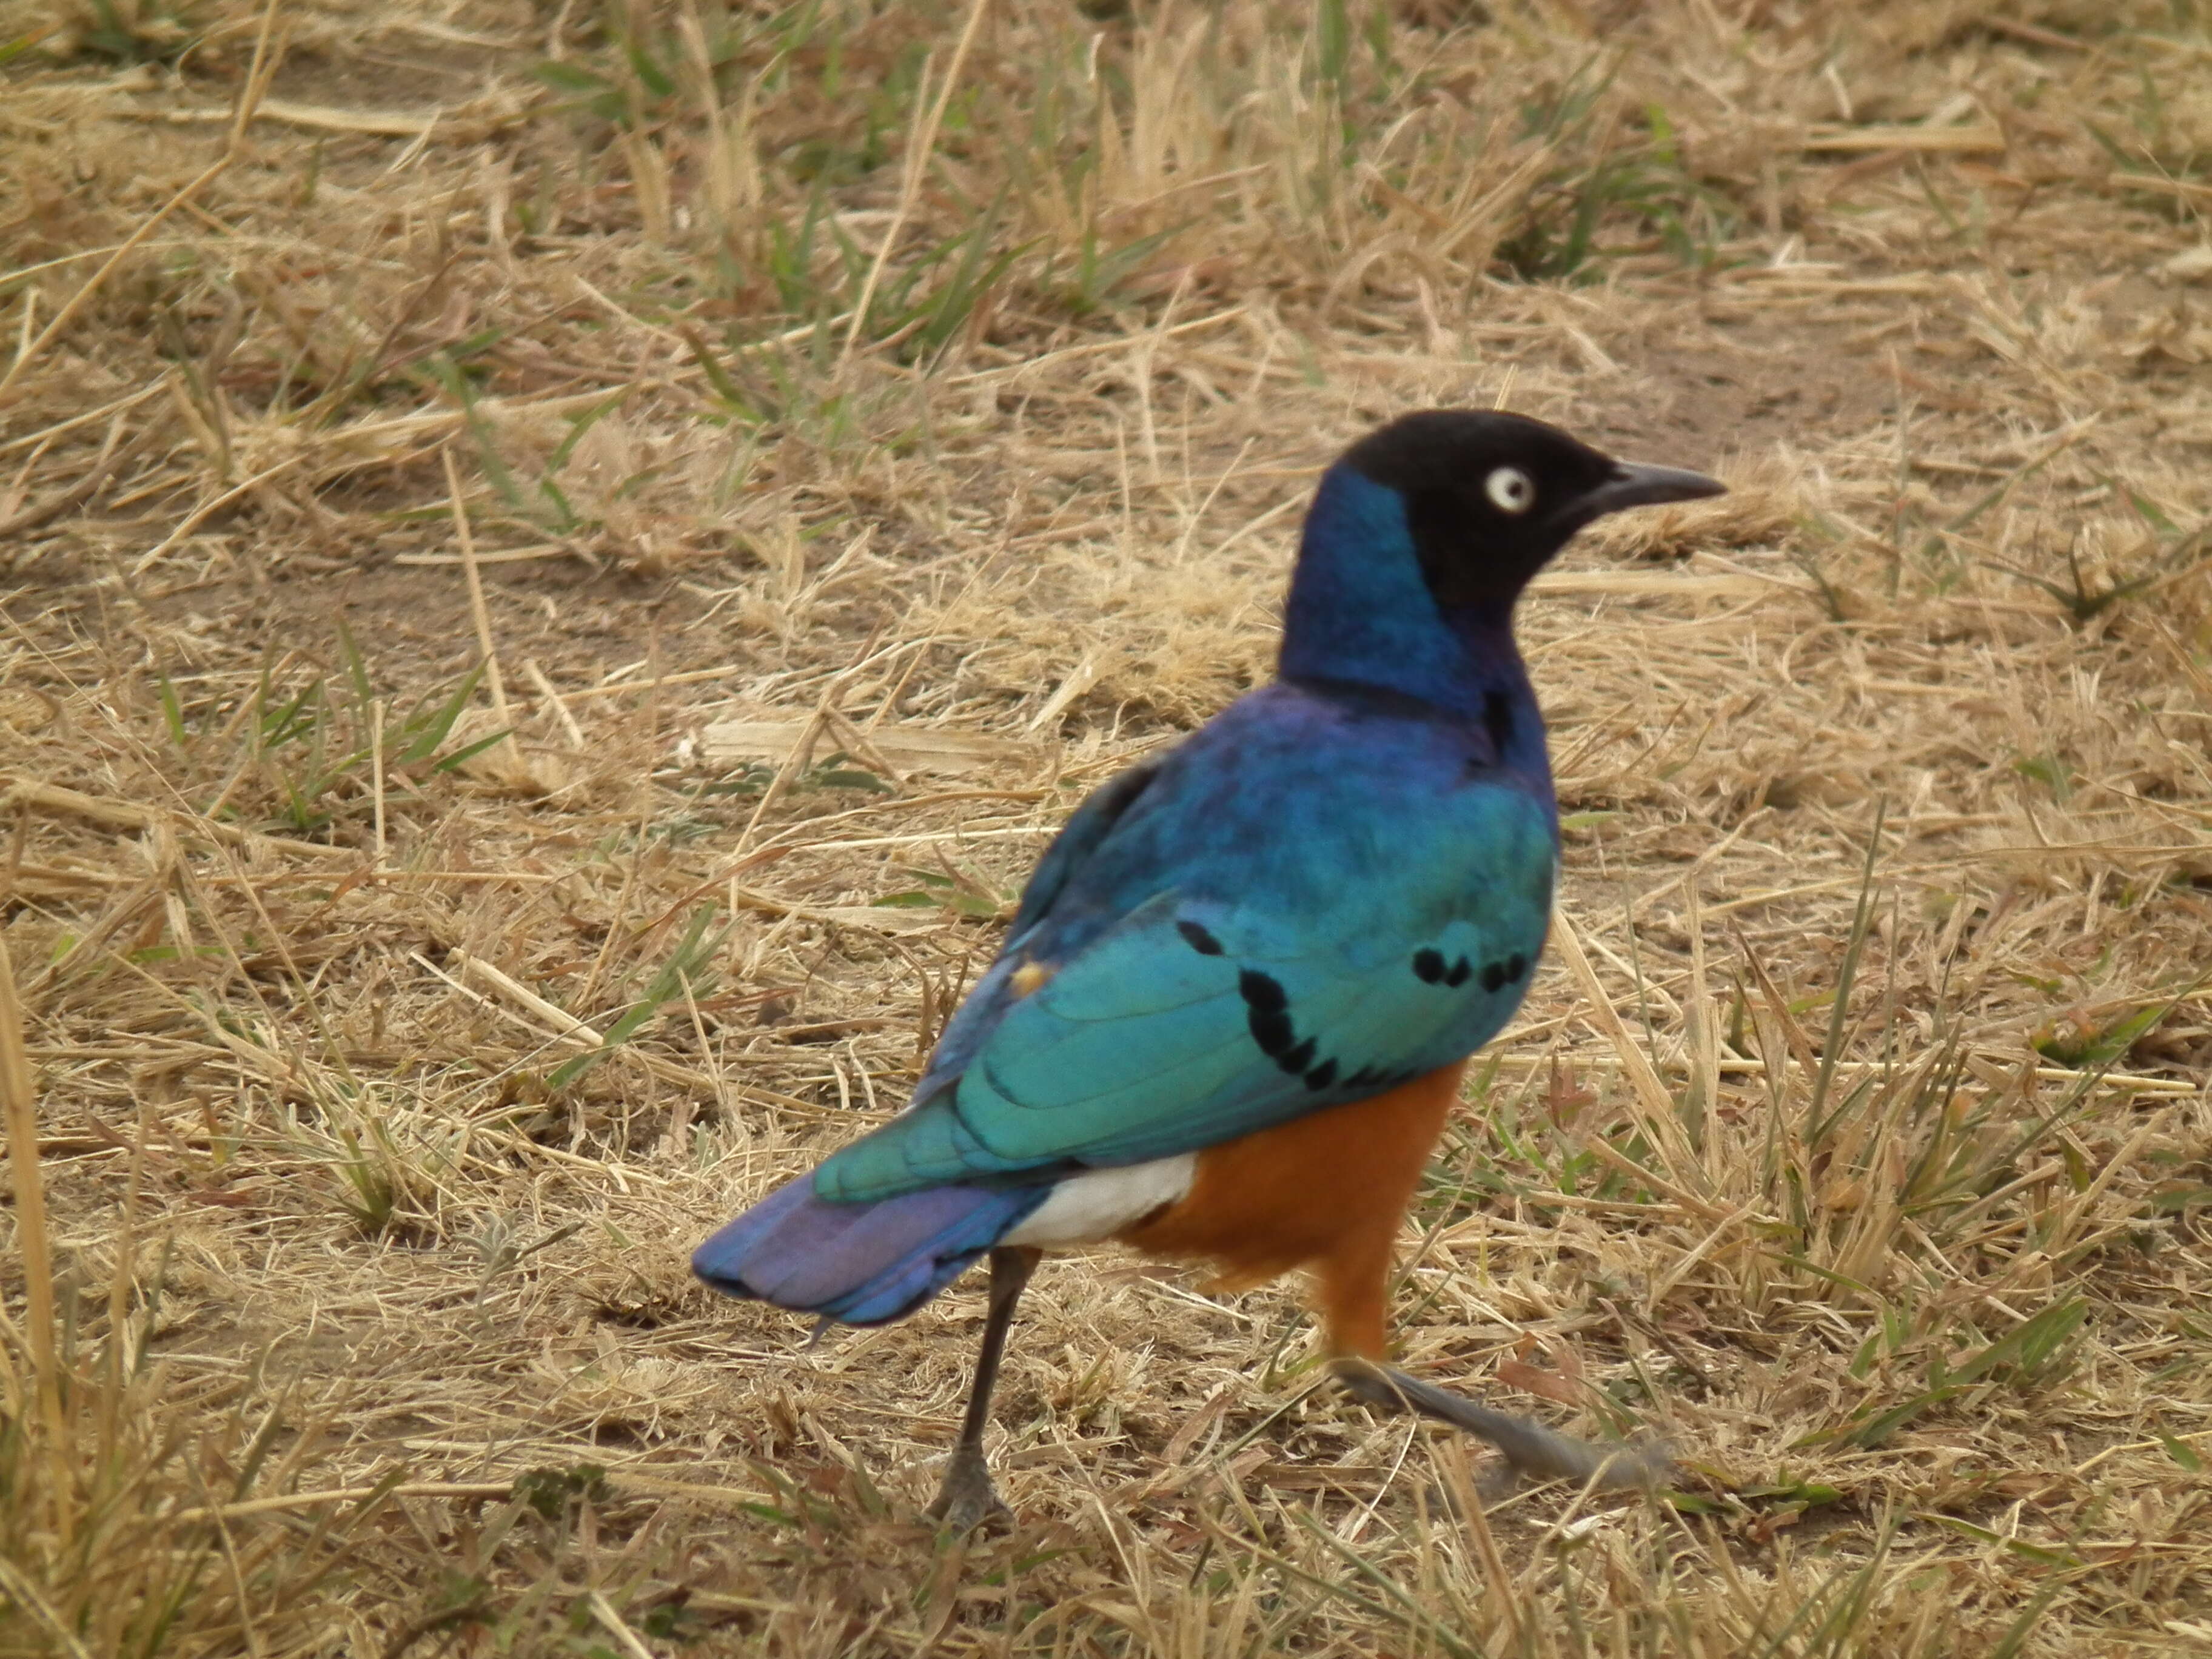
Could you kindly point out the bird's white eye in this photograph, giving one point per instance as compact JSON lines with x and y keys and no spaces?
{"x":1510,"y":489}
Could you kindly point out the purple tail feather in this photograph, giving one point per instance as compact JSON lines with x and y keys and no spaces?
{"x":860,"y":1264}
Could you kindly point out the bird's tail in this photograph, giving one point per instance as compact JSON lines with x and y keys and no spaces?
{"x":860,"y":1264}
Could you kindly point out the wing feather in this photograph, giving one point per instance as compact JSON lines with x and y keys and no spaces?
{"x":1199,"y":985}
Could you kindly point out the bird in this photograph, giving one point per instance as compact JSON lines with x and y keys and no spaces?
{"x":1233,"y":1007}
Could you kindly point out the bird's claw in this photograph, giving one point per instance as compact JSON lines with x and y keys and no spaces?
{"x":1530,"y":1448}
{"x":966,"y":1499}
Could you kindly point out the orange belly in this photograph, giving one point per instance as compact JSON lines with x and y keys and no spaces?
{"x":1326,"y":1191}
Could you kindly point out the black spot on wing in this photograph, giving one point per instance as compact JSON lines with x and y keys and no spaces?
{"x":1200,"y":940}
{"x":1262,"y":992}
{"x":1266,"y":1010}
{"x":1272,"y":1032}
{"x":1496,"y":976}
{"x":1430,"y":966}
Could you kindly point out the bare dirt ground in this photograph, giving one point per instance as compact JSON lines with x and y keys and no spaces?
{"x":556,"y":579}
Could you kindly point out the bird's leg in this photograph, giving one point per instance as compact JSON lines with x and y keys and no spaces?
{"x":967,"y":1495}
{"x":1352,"y":1284}
{"x":1530,"y":1448}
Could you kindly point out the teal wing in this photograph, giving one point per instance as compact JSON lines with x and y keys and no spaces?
{"x":1244,"y":994}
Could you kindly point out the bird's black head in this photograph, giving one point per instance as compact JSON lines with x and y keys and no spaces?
{"x":1490,"y":497}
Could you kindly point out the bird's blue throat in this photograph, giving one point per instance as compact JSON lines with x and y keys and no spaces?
{"x":1361,"y":612}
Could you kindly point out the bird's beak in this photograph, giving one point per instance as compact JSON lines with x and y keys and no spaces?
{"x":1645,"y":486}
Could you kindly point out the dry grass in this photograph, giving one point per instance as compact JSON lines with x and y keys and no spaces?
{"x":851,"y":432}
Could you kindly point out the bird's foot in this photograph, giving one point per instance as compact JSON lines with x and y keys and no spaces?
{"x":966,"y":1499}
{"x":1531,"y":1448}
